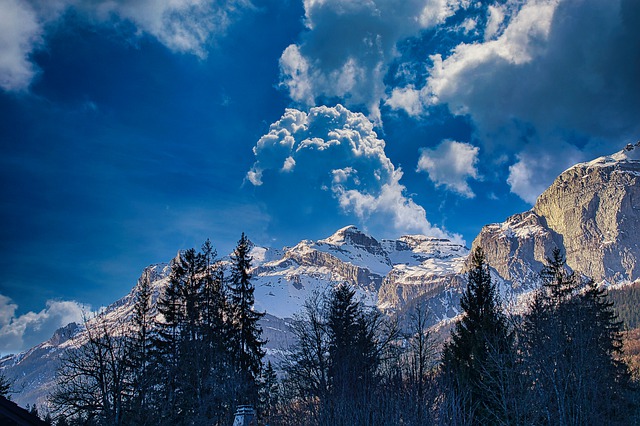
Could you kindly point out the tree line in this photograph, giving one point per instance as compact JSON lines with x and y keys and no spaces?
{"x":188,"y":359}
{"x":559,"y":363}
{"x":200,"y":355}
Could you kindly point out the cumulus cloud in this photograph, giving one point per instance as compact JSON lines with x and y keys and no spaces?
{"x":349,"y":44}
{"x":451,"y":164}
{"x":185,"y":26}
{"x":335,"y":151}
{"x":541,"y":71}
{"x":18,"y":333}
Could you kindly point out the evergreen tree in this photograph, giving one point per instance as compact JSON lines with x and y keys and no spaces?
{"x":480,"y":348}
{"x":353,"y":358}
{"x":343,"y":328}
{"x":572,"y":346}
{"x":245,"y":339}
{"x":139,"y":353}
{"x":269,"y":393}
{"x":167,"y":344}
{"x":5,"y":385}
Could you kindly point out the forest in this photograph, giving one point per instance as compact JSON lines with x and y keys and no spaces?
{"x":195,"y":354}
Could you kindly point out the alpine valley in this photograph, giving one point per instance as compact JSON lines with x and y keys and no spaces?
{"x":591,"y":212}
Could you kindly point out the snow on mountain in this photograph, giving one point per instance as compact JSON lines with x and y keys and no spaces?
{"x":592,"y":212}
{"x":353,"y":257}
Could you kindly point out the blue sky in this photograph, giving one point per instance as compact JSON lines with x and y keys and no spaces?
{"x":133,"y":129}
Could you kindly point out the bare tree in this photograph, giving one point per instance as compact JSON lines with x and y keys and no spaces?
{"x":92,"y":381}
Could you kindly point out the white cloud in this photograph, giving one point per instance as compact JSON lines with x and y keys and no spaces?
{"x":18,"y":333}
{"x":523,"y":40}
{"x":335,"y":151}
{"x":535,"y":170}
{"x":407,"y":99}
{"x":349,"y":44}
{"x":495,"y":20}
{"x":185,"y":26}
{"x":182,"y":25}
{"x":542,"y":71}
{"x":451,"y":164}
{"x":20,"y":31}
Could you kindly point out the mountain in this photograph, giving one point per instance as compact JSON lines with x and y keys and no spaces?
{"x":386,"y":272}
{"x":591,"y":211}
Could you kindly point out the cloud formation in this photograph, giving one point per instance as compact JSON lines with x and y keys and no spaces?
{"x":335,"y":151}
{"x":185,"y":26}
{"x":541,"y":71}
{"x":451,"y":164}
{"x":534,"y":170}
{"x":20,"y":31}
{"x":18,"y":333}
{"x":349,"y":44}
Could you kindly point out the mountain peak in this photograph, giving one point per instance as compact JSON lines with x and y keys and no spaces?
{"x":629,"y":155}
{"x":348,"y":234}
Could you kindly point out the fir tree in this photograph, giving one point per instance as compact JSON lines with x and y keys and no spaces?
{"x":481,"y":343}
{"x":166,"y":345}
{"x":247,"y":345}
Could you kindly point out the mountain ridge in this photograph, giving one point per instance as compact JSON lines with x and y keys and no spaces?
{"x":591,"y":211}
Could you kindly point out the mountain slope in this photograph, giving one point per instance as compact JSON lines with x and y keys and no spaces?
{"x":591,"y":211}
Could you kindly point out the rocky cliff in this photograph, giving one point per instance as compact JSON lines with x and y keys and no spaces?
{"x":591,"y":212}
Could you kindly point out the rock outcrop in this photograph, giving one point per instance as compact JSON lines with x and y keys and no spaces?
{"x":591,"y":212}
{"x":595,"y":207}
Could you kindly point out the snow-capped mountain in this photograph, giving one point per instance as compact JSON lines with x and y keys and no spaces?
{"x":385,"y":273}
{"x":591,"y":212}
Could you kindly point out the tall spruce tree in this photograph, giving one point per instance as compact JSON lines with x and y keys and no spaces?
{"x":246,"y":333}
{"x":354,"y":354}
{"x":167,"y":354}
{"x":5,"y":385}
{"x":480,"y":348}
{"x":138,"y":353}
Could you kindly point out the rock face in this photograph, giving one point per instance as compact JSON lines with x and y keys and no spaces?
{"x":591,"y":212}
{"x":517,"y":249}
{"x":421,"y":266}
{"x":595,"y":206}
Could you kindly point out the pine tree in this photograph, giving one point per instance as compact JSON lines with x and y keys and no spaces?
{"x":269,"y":394}
{"x":343,"y":328}
{"x":167,"y":346}
{"x":353,"y":358}
{"x":480,"y":348}
{"x":247,"y":345}
{"x":139,"y":352}
{"x":5,"y":385}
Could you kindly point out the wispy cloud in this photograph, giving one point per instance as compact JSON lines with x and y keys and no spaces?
{"x":184,"y":26}
{"x":18,"y":333}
